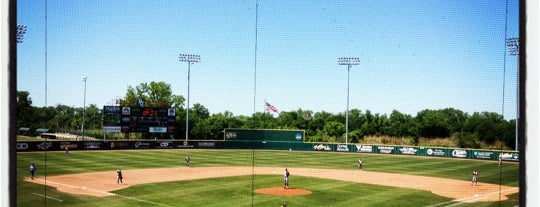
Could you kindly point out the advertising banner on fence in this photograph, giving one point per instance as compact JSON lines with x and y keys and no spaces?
{"x":69,"y":145}
{"x":408,"y":150}
{"x":490,"y":155}
{"x":342,"y":148}
{"x":364,"y":148}
{"x":509,"y":156}
{"x":92,"y":145}
{"x":120,"y":145}
{"x":436,"y":152}
{"x":142,"y":145}
{"x":459,"y":153}
{"x":164,"y":144}
{"x":322,"y":147}
{"x":386,"y":149}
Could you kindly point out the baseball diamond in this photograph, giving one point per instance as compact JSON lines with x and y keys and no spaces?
{"x":317,"y":178}
{"x":93,"y":183}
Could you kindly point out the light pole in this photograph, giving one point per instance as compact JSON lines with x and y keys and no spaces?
{"x":21,"y":30}
{"x":84,"y":107}
{"x":190,"y":59}
{"x":513,"y":49}
{"x":348,"y":61}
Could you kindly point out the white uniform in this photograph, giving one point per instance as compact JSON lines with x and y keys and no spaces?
{"x":474,"y":177}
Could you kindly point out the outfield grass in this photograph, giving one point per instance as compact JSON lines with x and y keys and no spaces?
{"x":237,"y":191}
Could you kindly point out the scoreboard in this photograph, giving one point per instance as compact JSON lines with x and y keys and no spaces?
{"x":138,"y":119}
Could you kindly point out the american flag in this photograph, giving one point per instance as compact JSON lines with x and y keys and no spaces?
{"x":270,"y":108}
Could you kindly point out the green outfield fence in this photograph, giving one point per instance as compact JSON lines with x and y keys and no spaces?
{"x":266,"y":139}
{"x":479,"y":154}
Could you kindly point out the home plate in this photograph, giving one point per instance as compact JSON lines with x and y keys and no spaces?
{"x":476,"y":195}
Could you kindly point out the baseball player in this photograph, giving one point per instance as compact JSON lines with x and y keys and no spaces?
{"x":284,"y":204}
{"x":187,"y":160}
{"x":500,"y":161}
{"x":120,"y":177}
{"x":360,"y":164}
{"x":286,"y":178}
{"x":32,"y":170}
{"x":474,"y":177}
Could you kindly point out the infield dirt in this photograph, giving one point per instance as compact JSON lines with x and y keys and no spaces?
{"x":103,"y":183}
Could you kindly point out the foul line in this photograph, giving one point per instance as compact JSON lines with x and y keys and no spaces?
{"x":49,"y":197}
{"x":472,"y":198}
{"x":99,"y":191}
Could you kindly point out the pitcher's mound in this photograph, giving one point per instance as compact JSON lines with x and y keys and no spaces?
{"x":280,"y":191}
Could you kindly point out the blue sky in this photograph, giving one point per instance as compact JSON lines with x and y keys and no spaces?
{"x":414,"y":55}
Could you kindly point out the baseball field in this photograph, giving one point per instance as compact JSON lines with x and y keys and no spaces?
{"x":254,"y":178}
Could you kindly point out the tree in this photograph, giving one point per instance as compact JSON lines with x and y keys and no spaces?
{"x":334,"y":129}
{"x":486,"y":125}
{"x":400,"y":125}
{"x":155,"y":94}
{"x":24,"y":109}
{"x":433,"y":123}
{"x":456,"y":119}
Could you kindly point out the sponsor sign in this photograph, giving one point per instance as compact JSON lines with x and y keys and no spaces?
{"x":92,"y":145}
{"x":206,"y":144}
{"x":157,"y":129}
{"x":408,"y":150}
{"x":342,"y":148}
{"x":484,"y":155}
{"x":142,"y":145}
{"x":185,"y":145}
{"x":109,"y":129}
{"x":230,"y":135}
{"x":364,"y":148}
{"x":436,"y":152}
{"x":322,"y":147}
{"x":386,"y":149}
{"x":164,"y":145}
{"x":509,"y":156}
{"x":44,"y":145}
{"x":69,"y":145}
{"x":298,"y":137}
{"x":22,"y":146}
{"x":119,"y":145}
{"x":459,"y":153}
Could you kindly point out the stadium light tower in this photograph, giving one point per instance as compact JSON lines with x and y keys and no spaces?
{"x":21,"y":30}
{"x":84,"y":107}
{"x":513,"y":49}
{"x":348,"y":61}
{"x":190,"y":59}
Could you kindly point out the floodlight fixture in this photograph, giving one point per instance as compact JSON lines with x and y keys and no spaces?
{"x":21,"y":30}
{"x":348,"y":61}
{"x":190,"y":59}
{"x":513,"y":45}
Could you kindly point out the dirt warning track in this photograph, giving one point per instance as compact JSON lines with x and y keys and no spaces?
{"x":103,"y":183}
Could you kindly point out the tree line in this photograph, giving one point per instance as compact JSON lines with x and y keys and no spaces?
{"x":467,"y":130}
